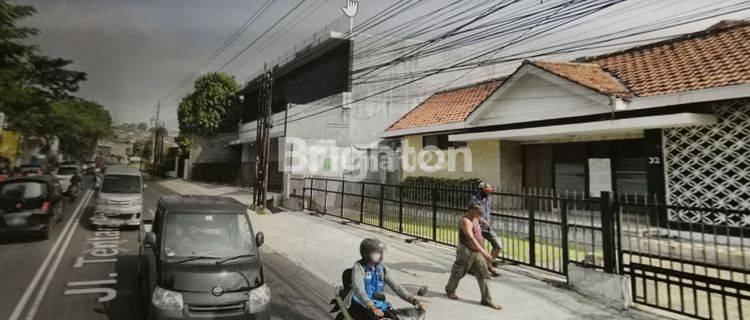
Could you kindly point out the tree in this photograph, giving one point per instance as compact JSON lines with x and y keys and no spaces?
{"x":204,"y":112}
{"x":29,"y":82}
{"x":144,"y":149}
{"x":142,"y":126}
{"x":79,"y":124}
{"x":185,"y":144}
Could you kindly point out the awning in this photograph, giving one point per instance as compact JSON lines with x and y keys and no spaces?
{"x":618,"y":126}
{"x":241,"y":141}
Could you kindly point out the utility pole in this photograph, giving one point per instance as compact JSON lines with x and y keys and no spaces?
{"x":263,"y":135}
{"x":156,"y":130}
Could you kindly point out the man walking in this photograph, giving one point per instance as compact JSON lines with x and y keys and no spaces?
{"x":481,"y":198}
{"x":471,"y":257}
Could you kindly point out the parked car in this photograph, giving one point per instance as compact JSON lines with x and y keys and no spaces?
{"x":119,"y":198}
{"x":91,"y":167}
{"x":30,"y":205}
{"x":65,"y":173}
{"x":199,"y":259}
{"x":31,"y":170}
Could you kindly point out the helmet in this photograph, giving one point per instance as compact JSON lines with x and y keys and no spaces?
{"x":485,"y":187}
{"x":370,"y":245}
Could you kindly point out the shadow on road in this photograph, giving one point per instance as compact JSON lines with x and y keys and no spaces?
{"x":20,"y":239}
{"x":129,"y":302}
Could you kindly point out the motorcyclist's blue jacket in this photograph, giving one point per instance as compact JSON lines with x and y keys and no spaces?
{"x":374,"y":282}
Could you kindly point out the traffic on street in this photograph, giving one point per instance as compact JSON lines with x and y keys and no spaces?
{"x":375,"y":160}
{"x":83,"y":271}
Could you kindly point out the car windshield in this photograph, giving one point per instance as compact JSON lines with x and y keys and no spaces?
{"x":23,"y":190}
{"x":66,"y":171}
{"x":207,"y":235}
{"x":121,"y":184}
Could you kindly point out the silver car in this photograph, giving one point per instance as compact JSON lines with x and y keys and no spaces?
{"x":119,"y":198}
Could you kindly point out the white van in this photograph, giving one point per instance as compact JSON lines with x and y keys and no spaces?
{"x":119,"y":198}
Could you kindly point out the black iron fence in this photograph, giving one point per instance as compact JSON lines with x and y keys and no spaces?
{"x":692,"y":268}
{"x":684,"y":260}
{"x":532,"y":226}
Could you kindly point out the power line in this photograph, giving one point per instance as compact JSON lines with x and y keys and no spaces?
{"x":221,"y":49}
{"x":480,"y":63}
{"x":261,"y":35}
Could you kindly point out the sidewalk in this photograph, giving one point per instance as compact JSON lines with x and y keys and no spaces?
{"x":325,"y":247}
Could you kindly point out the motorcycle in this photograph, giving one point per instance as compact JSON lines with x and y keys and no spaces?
{"x":74,"y":189}
{"x":338,"y":307}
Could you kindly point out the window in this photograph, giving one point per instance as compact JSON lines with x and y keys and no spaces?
{"x":570,"y":177}
{"x":121,"y":184}
{"x":215,"y":235}
{"x":67,"y":171}
{"x":23,"y":190}
{"x":630,"y":176}
{"x":441,"y":142}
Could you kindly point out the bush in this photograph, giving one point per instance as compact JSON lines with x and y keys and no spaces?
{"x":156,"y":172}
{"x":422,"y":193}
{"x":443,"y":183}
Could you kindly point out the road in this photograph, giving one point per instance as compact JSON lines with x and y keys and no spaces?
{"x":83,"y":273}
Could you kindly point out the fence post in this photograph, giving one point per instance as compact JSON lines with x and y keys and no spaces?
{"x":400,"y":209}
{"x":343,"y":185}
{"x":532,"y":231}
{"x":564,"y":235}
{"x":304,"y":193}
{"x":380,"y":206}
{"x":362,"y":203}
{"x":608,"y":240}
{"x":434,"y":214}
{"x":325,"y":198}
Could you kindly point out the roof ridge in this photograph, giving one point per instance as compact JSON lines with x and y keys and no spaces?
{"x":589,"y":64}
{"x":717,"y":28}
{"x":474,"y":84}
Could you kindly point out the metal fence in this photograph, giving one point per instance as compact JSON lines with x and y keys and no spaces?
{"x":698,"y":269}
{"x":693,"y":269}
{"x":532,"y":226}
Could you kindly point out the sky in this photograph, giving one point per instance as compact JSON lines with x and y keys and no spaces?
{"x":136,"y":52}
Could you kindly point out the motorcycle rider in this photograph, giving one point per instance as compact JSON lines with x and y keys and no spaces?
{"x":370,"y":275}
{"x":75,"y":184}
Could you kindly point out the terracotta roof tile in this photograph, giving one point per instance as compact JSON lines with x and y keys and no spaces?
{"x":448,"y":106}
{"x":586,"y":74}
{"x":718,"y":56}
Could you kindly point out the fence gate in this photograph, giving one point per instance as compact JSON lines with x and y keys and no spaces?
{"x":691,"y":268}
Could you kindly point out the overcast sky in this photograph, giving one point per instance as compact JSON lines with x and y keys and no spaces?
{"x":135,"y":51}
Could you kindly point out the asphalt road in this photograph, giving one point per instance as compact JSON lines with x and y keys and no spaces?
{"x":83,"y":273}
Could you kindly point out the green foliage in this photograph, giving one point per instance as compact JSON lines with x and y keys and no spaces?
{"x":211,"y":107}
{"x":144,"y":149}
{"x":185,"y":144}
{"x":29,"y":82}
{"x":79,"y":124}
{"x":445,"y":183}
{"x":157,"y":171}
{"x":421,"y":190}
{"x":143,"y":126}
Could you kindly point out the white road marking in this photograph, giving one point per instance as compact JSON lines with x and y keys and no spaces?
{"x":53,"y":269}
{"x":91,"y":283}
{"x":35,"y":281}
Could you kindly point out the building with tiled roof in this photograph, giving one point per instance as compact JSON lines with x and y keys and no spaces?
{"x":653,"y":120}
{"x":448,"y":106}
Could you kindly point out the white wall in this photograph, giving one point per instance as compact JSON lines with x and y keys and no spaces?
{"x":532,"y":98}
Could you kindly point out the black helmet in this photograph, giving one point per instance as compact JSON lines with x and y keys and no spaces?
{"x":370,"y":245}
